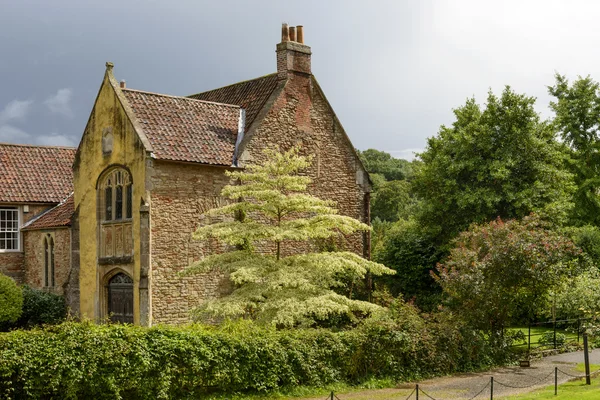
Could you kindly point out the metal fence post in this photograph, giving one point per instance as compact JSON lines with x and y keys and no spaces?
{"x":586,"y":358}
{"x":529,"y":340}
{"x":555,"y":380}
{"x":491,"y":388}
{"x":417,"y":391}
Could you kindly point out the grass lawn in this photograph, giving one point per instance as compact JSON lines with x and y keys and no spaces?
{"x":575,"y":390}
{"x":571,"y":390}
{"x":536,"y":334}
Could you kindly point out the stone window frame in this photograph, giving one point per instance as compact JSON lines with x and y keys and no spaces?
{"x":49,"y":261}
{"x":115,"y":181}
{"x":4,"y":230}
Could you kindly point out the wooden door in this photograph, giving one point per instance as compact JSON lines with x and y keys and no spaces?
{"x":120,"y":299}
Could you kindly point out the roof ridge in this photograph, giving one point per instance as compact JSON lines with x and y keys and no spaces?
{"x":233,"y":84}
{"x":42,"y":146}
{"x":181,"y":97}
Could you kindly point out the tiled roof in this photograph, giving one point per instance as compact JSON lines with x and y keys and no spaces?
{"x":38,"y":174}
{"x":184,"y":129}
{"x":55,"y":217}
{"x":250,"y":95}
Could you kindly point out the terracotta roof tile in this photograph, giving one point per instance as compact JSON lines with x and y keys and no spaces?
{"x":184,"y":129}
{"x":58,"y":216}
{"x":250,"y":95}
{"x":38,"y":174}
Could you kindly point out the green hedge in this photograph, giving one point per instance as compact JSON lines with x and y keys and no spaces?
{"x":84,"y":360}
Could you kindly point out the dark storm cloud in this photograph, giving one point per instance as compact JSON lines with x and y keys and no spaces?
{"x":393,"y":70}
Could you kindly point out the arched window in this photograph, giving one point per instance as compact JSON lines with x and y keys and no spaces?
{"x":49,"y":261}
{"x":117,"y":196}
{"x":115,"y":193}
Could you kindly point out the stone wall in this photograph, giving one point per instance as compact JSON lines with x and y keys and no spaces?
{"x":34,"y":258}
{"x":12,"y":262}
{"x":301,"y":115}
{"x":181,"y":193}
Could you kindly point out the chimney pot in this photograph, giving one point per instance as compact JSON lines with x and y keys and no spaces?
{"x":123,"y":85}
{"x":285,"y":33}
{"x":300,"y":34}
{"x":292,"y":33}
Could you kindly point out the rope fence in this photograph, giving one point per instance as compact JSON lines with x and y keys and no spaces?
{"x":418,"y":392}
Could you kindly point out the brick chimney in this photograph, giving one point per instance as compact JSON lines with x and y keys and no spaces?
{"x":293,"y":56}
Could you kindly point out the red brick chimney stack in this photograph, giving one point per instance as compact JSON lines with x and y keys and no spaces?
{"x":293,"y":56}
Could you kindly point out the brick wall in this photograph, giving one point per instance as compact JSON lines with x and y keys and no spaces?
{"x":34,"y":257}
{"x":12,"y":263}
{"x":181,"y":193}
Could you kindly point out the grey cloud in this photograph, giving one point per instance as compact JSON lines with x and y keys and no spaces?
{"x":16,"y":109}
{"x":56,"y":139}
{"x":11,"y":134}
{"x":60,"y":103}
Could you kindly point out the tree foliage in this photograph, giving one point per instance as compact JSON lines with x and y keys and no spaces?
{"x":499,"y":271}
{"x":382,"y":163}
{"x":496,"y":161}
{"x":285,"y":288}
{"x":577,"y":117}
{"x":411,"y":251}
{"x":392,"y":201}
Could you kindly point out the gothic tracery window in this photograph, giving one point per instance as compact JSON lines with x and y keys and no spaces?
{"x":117,"y":199}
{"x":116,"y":213}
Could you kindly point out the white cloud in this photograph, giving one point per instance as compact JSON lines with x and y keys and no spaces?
{"x":10,"y":134}
{"x":16,"y":109}
{"x":56,"y":139}
{"x":60,"y":103}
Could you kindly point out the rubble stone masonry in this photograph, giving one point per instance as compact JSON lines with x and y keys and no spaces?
{"x":34,"y":258}
{"x":181,"y":193}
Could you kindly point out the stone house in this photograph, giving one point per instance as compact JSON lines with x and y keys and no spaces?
{"x":149,"y":165}
{"x":36,"y":205}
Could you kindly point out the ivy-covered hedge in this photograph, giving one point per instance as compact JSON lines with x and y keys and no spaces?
{"x":84,"y":360}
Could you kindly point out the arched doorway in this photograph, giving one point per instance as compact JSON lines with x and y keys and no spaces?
{"x":120,"y":298}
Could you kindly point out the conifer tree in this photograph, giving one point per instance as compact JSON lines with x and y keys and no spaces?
{"x":272,"y":210}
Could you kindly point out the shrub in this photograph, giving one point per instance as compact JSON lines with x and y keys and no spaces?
{"x":40,"y":307}
{"x":547,"y":339}
{"x":83,"y":360}
{"x":11,"y":300}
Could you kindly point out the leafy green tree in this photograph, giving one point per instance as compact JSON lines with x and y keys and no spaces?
{"x":392,"y":201}
{"x":587,"y":238}
{"x":575,"y":296}
{"x":500,"y":271}
{"x":11,"y":301}
{"x":380,"y":162}
{"x":411,"y":251}
{"x":281,"y":287}
{"x":577,"y":117}
{"x":496,"y":161}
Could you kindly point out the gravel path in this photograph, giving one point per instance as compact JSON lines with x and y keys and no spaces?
{"x":507,"y":381}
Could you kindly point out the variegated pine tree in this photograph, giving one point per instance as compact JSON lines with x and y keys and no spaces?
{"x":270,"y":205}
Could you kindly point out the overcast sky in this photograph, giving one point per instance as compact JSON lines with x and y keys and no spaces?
{"x":392,"y":70}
